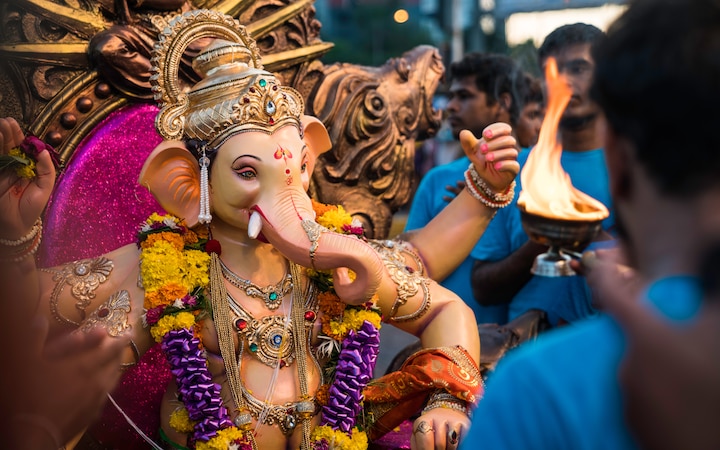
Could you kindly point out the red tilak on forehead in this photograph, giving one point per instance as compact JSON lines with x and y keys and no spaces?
{"x":285,"y":155}
{"x":282,"y":153}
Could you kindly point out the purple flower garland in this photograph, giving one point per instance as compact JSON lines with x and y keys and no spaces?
{"x":356,"y":363}
{"x":195,"y":386}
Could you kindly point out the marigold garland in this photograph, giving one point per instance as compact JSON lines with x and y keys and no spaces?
{"x":175,"y":272}
{"x":356,"y":329}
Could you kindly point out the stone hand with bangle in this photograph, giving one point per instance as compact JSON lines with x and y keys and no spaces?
{"x":267,"y":304}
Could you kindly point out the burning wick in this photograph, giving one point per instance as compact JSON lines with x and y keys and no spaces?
{"x":547,"y":189}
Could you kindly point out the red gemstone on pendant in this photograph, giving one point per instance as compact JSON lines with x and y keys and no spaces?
{"x":409,"y":269}
{"x":103,"y":312}
{"x":271,"y":120}
{"x":240,"y":324}
{"x":282,"y":363}
{"x":310,"y":316}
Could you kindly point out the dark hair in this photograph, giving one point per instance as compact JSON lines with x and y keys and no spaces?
{"x":566,"y":36}
{"x":495,"y":74}
{"x":657,"y":78}
{"x":532,"y":90}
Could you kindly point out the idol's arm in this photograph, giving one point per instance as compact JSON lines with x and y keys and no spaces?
{"x":449,"y":237}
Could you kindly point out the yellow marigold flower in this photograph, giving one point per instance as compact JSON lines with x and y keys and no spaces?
{"x":335,"y":219}
{"x":168,"y":323}
{"x":340,"y":440}
{"x":24,"y":171}
{"x":174,"y":239}
{"x":222,"y":440}
{"x":354,"y":318}
{"x":180,"y":421}
{"x":337,"y":331}
{"x":322,"y":208}
{"x":161,"y":265}
{"x":155,"y":217}
{"x":196,"y":269}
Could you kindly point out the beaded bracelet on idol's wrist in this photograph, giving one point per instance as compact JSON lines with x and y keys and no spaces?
{"x":480,"y":190}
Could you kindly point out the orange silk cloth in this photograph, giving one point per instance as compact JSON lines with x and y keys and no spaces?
{"x":396,"y":396}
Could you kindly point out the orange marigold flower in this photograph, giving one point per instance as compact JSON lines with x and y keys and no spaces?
{"x":190,"y":237}
{"x":322,"y":395}
{"x":330,"y":304}
{"x":322,"y":208}
{"x":164,"y":296}
{"x":173,"y":238}
{"x":202,"y":232}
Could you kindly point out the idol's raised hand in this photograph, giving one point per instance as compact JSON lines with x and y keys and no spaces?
{"x":494,"y":155}
{"x":27,"y":177}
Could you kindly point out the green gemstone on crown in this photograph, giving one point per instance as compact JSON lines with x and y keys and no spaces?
{"x":262,"y":83}
{"x":273,"y":296}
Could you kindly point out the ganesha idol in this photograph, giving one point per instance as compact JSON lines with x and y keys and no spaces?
{"x":267,"y":305}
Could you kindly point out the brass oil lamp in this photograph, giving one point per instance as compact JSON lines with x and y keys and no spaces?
{"x":552,"y":211}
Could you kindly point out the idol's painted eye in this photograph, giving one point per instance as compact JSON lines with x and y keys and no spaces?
{"x":247,"y":173}
{"x":303,"y":168}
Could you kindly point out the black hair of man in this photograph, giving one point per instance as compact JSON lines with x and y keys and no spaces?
{"x":566,"y":36}
{"x":657,"y":78}
{"x":495,"y":74}
{"x":532,"y":89}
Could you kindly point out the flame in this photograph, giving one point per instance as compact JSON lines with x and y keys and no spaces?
{"x":547,"y":189}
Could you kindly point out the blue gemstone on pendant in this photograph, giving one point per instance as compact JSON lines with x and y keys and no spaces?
{"x":270,"y":108}
{"x":277,"y":340}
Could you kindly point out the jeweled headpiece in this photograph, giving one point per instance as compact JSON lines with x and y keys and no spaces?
{"x":235,"y":94}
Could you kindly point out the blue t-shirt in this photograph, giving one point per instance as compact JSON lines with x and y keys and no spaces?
{"x":567,"y":298}
{"x":561,"y":391}
{"x":427,"y":203}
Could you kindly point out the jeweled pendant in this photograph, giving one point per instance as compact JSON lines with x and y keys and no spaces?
{"x":290,"y":422}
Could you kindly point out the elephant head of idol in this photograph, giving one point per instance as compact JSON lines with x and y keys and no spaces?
{"x":239,"y":152}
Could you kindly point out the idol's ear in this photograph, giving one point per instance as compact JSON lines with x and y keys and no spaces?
{"x":172,"y":175}
{"x":316,"y":136}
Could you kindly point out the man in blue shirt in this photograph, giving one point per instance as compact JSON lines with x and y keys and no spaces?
{"x":484,"y":89}
{"x":504,"y":254}
{"x":658,"y":63}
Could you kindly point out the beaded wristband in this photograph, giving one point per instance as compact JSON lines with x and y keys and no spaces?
{"x":496,"y":197}
{"x":21,"y":253}
{"x":30,"y":235}
{"x":482,"y":192}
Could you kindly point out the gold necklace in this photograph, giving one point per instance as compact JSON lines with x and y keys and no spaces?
{"x":271,"y":338}
{"x":304,"y":409}
{"x":270,"y":295}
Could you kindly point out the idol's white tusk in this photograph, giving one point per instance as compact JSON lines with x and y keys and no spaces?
{"x":254,"y":225}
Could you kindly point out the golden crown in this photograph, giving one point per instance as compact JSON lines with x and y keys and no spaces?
{"x":235,"y":94}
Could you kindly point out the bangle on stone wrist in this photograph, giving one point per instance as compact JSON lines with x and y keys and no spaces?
{"x":443,"y":399}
